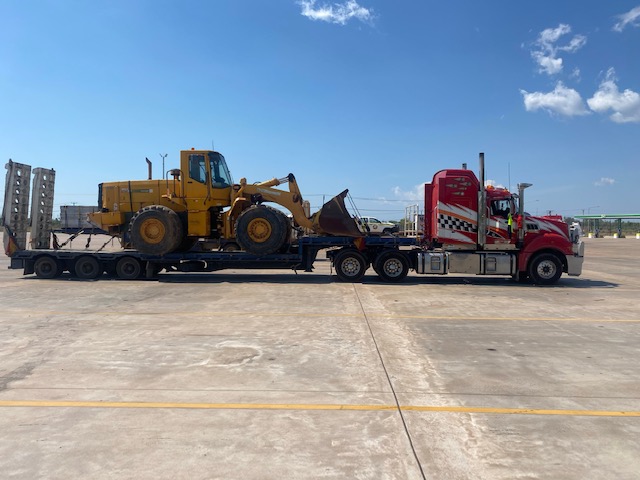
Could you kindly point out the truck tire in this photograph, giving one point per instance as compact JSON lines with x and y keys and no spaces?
{"x":156,"y":230}
{"x":391,"y":266}
{"x":545,"y":269}
{"x":350,"y":265}
{"x":47,"y":267}
{"x":261,"y":230}
{"x":128,"y":268}
{"x":87,"y":268}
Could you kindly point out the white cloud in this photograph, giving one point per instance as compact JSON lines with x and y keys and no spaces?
{"x":625,"y":105}
{"x":562,"y":101}
{"x":632,"y":17}
{"x":414,"y":195}
{"x":604,"y":182}
{"x":576,"y":74}
{"x":339,"y":13}
{"x":546,"y":53}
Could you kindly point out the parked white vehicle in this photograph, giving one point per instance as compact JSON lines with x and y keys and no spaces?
{"x":373,"y":226}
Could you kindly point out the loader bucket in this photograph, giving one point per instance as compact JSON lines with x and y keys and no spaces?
{"x":334,"y":219}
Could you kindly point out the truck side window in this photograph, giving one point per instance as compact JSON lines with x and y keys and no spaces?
{"x":500,"y":208}
{"x":197,"y":170}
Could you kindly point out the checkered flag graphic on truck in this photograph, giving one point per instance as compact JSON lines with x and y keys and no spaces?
{"x":454,"y":223}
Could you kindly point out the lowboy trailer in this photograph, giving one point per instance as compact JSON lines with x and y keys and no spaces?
{"x":351,"y":258}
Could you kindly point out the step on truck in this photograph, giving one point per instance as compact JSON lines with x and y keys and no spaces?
{"x":468,"y":229}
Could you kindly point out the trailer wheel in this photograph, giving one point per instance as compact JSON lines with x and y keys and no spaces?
{"x":350,"y":265}
{"x":156,"y":230}
{"x":128,"y":268}
{"x":545,"y":269}
{"x":261,"y":230}
{"x":87,"y":268}
{"x":391,"y":266}
{"x":231,"y":247}
{"x":47,"y":267}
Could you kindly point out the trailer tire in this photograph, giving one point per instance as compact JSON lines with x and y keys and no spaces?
{"x":156,"y":230}
{"x":47,"y":267}
{"x":545,"y":269}
{"x":261,"y":230}
{"x":128,"y":268}
{"x":87,"y":268}
{"x":231,"y":247}
{"x":350,"y":265}
{"x":391,"y":266}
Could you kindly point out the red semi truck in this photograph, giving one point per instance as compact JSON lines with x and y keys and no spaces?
{"x":472,"y":229}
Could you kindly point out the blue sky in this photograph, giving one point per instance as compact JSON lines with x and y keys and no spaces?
{"x":370,"y":95}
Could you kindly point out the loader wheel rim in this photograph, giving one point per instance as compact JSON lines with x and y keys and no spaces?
{"x":152,"y":231}
{"x":259,"y":230}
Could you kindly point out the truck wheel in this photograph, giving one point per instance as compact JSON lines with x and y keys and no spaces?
{"x":47,"y":267}
{"x":87,"y":268}
{"x":261,"y":230}
{"x":156,"y":230}
{"x":391,"y":266}
{"x":350,"y":265}
{"x":128,"y":268}
{"x":545,"y":269}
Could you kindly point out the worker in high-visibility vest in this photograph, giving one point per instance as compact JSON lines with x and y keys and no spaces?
{"x":509,"y":222}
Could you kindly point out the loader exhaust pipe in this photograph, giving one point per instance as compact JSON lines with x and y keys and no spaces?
{"x":149,"y":166}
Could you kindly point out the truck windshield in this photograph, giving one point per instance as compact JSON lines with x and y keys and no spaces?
{"x":220,"y":175}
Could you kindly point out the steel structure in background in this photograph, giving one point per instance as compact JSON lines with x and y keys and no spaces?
{"x":15,"y":211}
{"x":42,"y":207}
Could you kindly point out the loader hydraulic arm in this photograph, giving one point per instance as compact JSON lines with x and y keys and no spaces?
{"x":291,"y":200}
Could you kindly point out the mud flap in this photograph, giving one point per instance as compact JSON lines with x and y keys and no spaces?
{"x":334,"y":219}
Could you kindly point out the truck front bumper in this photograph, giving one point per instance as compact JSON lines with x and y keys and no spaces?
{"x":574,"y":262}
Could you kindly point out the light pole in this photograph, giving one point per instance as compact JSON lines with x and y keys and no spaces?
{"x":163,"y":157}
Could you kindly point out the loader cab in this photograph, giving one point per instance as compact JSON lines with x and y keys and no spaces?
{"x":208,"y":177}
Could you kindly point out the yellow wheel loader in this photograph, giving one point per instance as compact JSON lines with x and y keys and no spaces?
{"x":201,"y":200}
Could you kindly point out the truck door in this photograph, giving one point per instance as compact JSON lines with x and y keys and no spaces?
{"x":497,"y":224}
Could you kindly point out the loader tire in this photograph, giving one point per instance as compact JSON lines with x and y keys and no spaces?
{"x":261,"y":230}
{"x":156,"y":230}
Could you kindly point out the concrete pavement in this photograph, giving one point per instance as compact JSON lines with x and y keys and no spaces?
{"x":273,"y":375}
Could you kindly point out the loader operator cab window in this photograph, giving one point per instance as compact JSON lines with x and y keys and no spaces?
{"x":220,"y":176}
{"x":197,"y":168}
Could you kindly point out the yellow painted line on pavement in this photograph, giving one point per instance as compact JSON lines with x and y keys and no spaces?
{"x":310,"y":407}
{"x":208,"y":314}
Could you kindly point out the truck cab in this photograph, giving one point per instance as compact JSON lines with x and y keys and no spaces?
{"x":479,"y":228}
